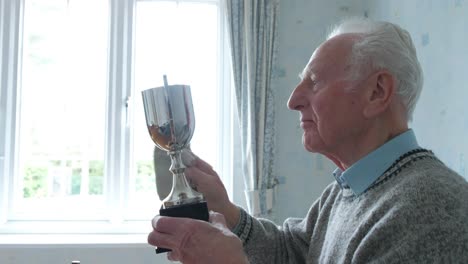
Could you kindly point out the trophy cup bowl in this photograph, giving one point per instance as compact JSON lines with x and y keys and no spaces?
{"x":171,"y":123}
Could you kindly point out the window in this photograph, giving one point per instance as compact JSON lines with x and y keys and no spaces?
{"x":75,"y":145}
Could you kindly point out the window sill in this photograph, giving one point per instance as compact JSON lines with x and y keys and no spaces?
{"x":69,"y":233}
{"x":75,"y":240}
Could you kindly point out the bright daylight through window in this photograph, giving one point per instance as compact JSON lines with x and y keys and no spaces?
{"x":57,"y":158}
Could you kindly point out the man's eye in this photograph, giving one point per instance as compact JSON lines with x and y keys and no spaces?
{"x":313,"y":84}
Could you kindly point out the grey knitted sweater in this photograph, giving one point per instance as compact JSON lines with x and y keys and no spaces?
{"x":416,"y":212}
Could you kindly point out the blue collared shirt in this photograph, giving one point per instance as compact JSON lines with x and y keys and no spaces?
{"x":360,"y":176}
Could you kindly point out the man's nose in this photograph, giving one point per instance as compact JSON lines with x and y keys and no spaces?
{"x":295,"y":101}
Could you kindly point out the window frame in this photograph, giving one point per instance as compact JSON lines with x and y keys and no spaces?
{"x":121,"y":40}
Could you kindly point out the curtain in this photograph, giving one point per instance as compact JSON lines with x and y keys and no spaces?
{"x":252,"y":26}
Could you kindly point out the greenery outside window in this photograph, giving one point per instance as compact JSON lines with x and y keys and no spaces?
{"x":75,"y":155}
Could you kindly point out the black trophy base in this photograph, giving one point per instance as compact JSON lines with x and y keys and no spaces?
{"x":195,"y":211}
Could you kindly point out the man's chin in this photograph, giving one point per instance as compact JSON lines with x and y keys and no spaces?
{"x":312,"y":147}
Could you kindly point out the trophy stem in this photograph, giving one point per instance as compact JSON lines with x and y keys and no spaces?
{"x":181,"y":192}
{"x":177,"y":166}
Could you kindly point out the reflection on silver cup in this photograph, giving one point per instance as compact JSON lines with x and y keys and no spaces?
{"x":164,"y":139}
{"x":169,"y":116}
{"x":171,"y":123}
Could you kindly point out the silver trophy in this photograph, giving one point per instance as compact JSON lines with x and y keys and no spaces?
{"x":171,"y":122}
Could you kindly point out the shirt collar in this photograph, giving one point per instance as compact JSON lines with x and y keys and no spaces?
{"x":360,"y":176}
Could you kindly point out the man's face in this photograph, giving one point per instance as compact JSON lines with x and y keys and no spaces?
{"x":330,"y":107}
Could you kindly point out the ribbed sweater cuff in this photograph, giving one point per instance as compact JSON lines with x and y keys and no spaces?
{"x":244,"y":226}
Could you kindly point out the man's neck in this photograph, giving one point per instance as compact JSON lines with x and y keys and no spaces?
{"x":363,"y":145}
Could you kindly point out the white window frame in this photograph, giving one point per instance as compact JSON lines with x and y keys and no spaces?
{"x":118,"y":139}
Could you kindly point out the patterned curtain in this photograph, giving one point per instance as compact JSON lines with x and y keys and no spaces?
{"x":253,"y":35}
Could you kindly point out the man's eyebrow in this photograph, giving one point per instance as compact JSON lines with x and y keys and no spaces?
{"x":307,"y":71}
{"x":304,"y":73}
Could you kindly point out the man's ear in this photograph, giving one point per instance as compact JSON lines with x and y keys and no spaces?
{"x":380,"y":93}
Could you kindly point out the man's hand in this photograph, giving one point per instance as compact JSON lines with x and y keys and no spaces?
{"x":195,"y":241}
{"x":206,"y":180}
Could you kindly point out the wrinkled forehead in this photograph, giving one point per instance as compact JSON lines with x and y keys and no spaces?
{"x":331,"y":58}
{"x":313,"y":66}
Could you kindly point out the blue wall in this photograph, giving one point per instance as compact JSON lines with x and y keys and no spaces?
{"x":440,"y":33}
{"x":303,"y":25}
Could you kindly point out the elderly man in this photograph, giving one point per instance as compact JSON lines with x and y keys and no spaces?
{"x":392,"y":201}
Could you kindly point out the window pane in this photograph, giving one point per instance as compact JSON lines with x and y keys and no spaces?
{"x":63,"y":102}
{"x":180,"y":40}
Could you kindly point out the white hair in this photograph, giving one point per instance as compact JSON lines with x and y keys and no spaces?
{"x":384,"y":45}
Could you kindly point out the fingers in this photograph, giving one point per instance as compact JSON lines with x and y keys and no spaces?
{"x":168,"y":225}
{"x":204,"y":166}
{"x":154,"y":221}
{"x":162,"y":240}
{"x":188,"y":158}
{"x":191,"y":160}
{"x":173,"y":255}
{"x":200,"y":179}
{"x":168,"y":232}
{"x":192,"y":238}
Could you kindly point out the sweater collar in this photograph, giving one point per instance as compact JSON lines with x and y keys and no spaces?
{"x":362,"y":174}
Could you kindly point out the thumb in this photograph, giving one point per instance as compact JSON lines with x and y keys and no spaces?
{"x":188,"y":158}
